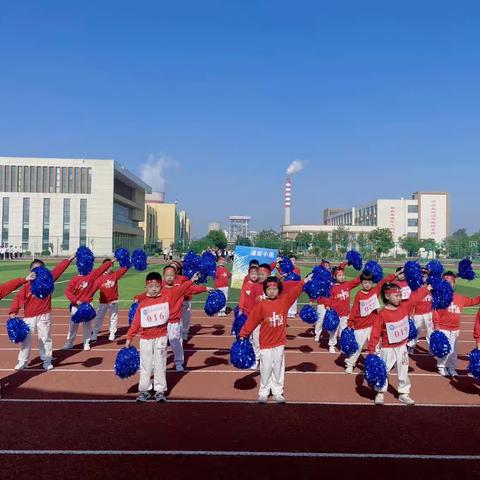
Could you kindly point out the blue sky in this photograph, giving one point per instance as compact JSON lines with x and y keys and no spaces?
{"x":380,"y":99}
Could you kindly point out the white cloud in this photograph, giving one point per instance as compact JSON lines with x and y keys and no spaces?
{"x":295,"y":167}
{"x":153,"y":171}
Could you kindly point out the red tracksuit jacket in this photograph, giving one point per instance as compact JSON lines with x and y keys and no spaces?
{"x":80,"y":288}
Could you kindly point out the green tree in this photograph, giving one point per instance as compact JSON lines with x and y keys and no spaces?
{"x":268,"y":239}
{"x":244,"y":241}
{"x":198,"y":246}
{"x":218,"y":239}
{"x":363,"y":244}
{"x":340,"y":238}
{"x":429,"y":244}
{"x":381,"y":240}
{"x":411,"y":245}
{"x":303,"y":241}
{"x":321,"y":243}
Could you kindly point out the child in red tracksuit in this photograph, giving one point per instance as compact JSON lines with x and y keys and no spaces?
{"x":292,"y":313}
{"x":476,"y":329}
{"x":11,"y":285}
{"x":448,"y":322}
{"x":362,"y":316}
{"x":150,"y":320}
{"x":391,"y":329}
{"x":340,"y":301}
{"x":247,"y":300}
{"x":271,"y":316}
{"x":423,"y":317}
{"x":108,"y":286}
{"x":79,"y":290}
{"x":221,"y":281}
{"x":37,"y":315}
{"x":170,"y":285}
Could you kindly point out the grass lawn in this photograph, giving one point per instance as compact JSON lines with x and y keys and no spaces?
{"x":133,"y":283}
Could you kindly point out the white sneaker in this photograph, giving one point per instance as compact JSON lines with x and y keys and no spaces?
{"x":68,"y":346}
{"x":86,"y":345}
{"x":349,"y":369}
{"x":47,"y":365}
{"x":262,"y":399}
{"x":317,"y":338}
{"x":20,"y":366}
{"x":179,"y":368}
{"x":279,"y":399}
{"x":442,"y":371}
{"x":254,"y":366}
{"x":111,"y":337}
{"x":452,"y":372}
{"x":379,"y":399}
{"x":404,"y":398}
{"x":331,"y":349}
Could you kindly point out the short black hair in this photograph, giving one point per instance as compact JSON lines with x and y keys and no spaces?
{"x":153,"y":276}
{"x":398,"y":269}
{"x":336,"y":269}
{"x":388,"y":286}
{"x":366,"y":276}
{"x":292,"y":256}
{"x":266,"y":266}
{"x":41,"y":263}
{"x":254,"y":261}
{"x":273,"y":279}
{"x":449,"y":273}
{"x":107,"y":260}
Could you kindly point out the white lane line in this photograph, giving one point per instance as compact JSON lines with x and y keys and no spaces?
{"x":240,"y":453}
{"x":227,"y":401}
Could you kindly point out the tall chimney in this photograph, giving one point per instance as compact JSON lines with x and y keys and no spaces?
{"x":288,"y":199}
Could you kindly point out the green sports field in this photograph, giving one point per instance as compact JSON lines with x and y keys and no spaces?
{"x":133,"y":283}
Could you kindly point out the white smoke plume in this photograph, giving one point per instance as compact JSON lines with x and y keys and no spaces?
{"x":295,"y":167}
{"x":152,"y":172}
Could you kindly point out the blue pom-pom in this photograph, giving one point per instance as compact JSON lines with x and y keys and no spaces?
{"x":132,"y":312}
{"x":435,"y":268}
{"x":85,"y":260}
{"x":331,"y":320}
{"x":375,"y":371}
{"x":286,"y":265}
{"x":85,"y":312}
{"x":439,"y":344}
{"x":348,"y":342}
{"x":215,"y":302}
{"x":321,"y":283}
{"x":474,"y":363}
{"x":43,"y":284}
{"x":238,"y":322}
{"x":413,"y":275}
{"x":139,"y":259}
{"x":192,"y":263}
{"x":17,"y":330}
{"x":465,"y":270}
{"x":242,"y":355}
{"x":354,"y":259}
{"x":123,"y":257}
{"x":309,"y":314}
{"x":442,"y":293}
{"x":375,"y":269}
{"x":127,"y":362}
{"x":293,"y":277}
{"x":412,"y":330}
{"x":207,"y":266}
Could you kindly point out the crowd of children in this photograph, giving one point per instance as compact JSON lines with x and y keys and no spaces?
{"x":164,"y":312}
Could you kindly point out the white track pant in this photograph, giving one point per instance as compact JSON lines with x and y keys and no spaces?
{"x":397,"y":356}
{"x":272,"y":371}
{"x":255,"y":339}
{"x":450,"y":360}
{"x":153,"y":358}
{"x":293,"y":310}
{"x":174,"y":332}
{"x":362,"y":336}
{"x":225,"y":292}
{"x":321,"y":315}
{"x":332,"y":336}
{"x":186,"y":316}
{"x":43,"y":324}
{"x":422,"y":322}
{"x":101,"y":312}
{"x":73,"y":329}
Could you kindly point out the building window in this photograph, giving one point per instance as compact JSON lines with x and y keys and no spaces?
{"x":45,"y":180}
{"x":57,"y":180}
{"x":76,"y":179}
{"x":64,"y":180}
{"x":32,"y":178}
{"x":26,"y":181}
{"x":70,"y":180}
{"x":39,"y":180}
{"x":89,"y":180}
{"x":13,"y":179}
{"x":1,"y":179}
{"x":83,"y":180}
{"x":25,"y":223}
{"x":46,"y":224}
{"x":51,"y":184}
{"x":19,"y":179}
{"x":413,"y":222}
{"x":413,"y":209}
{"x":66,"y":224}
{"x":83,"y":221}
{"x":5,"y":218}
{"x":412,"y":234}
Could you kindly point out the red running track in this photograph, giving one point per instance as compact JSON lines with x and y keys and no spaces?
{"x":80,"y":417}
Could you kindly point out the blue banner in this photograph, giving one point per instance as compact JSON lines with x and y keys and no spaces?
{"x":243,"y":256}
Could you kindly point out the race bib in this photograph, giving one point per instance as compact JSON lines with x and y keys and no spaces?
{"x":369,"y":305}
{"x":154,"y":315}
{"x":406,"y":293}
{"x":397,"y":331}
